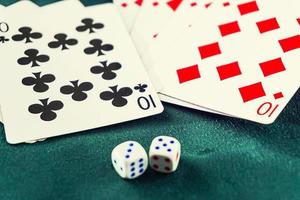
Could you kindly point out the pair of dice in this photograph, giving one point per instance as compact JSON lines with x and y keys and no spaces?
{"x":130,"y":159}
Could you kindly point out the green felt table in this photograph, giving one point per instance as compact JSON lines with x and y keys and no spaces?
{"x":222,"y":158}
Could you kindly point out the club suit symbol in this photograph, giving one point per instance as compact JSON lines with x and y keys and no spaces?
{"x":106,"y":70}
{"x":46,"y":109}
{"x":141,"y":87}
{"x":33,"y":57}
{"x":27,"y":35}
{"x":61,"y":40}
{"x":117,"y":96}
{"x":39,"y":82}
{"x":98,"y":47}
{"x":77,"y":90}
{"x":3,"y":39}
{"x":89,"y":25}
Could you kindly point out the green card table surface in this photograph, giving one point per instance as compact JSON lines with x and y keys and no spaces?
{"x":222,"y":158}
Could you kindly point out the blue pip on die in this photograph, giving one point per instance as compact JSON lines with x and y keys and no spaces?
{"x":129,"y":159}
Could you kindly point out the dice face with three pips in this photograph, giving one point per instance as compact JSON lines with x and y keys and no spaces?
{"x":129,"y":159}
{"x":164,"y":154}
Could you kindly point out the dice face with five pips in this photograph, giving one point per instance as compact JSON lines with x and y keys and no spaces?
{"x":129,"y":159}
{"x":164,"y":154}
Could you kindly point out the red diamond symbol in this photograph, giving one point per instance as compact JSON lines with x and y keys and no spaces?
{"x":229,"y":28}
{"x":252,"y":92}
{"x":124,"y":5}
{"x":247,"y":8}
{"x":174,"y":4}
{"x":291,"y":43}
{"x":193,"y":4}
{"x":298,"y":20}
{"x":278,"y":95}
{"x":272,"y":67}
{"x":207,"y":5}
{"x":139,"y":2}
{"x":209,"y":50}
{"x":229,"y":70}
{"x":188,"y":73}
{"x":225,"y":4}
{"x":155,"y":3}
{"x":267,"y":25}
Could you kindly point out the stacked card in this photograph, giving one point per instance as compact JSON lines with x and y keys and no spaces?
{"x":238,"y":58}
{"x":65,"y":72}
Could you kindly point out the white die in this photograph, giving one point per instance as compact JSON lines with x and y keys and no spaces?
{"x":164,"y":154}
{"x":129,"y":159}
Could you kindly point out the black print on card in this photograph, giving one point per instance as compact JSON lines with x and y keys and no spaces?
{"x":26,"y":34}
{"x":46,"y":109}
{"x":98,"y":47}
{"x":38,"y":81}
{"x":89,"y":25}
{"x":78,"y":91}
{"x":141,"y":88}
{"x":62,"y":41}
{"x":3,"y":39}
{"x":33,"y":57}
{"x":106,"y":70}
{"x":117,"y":96}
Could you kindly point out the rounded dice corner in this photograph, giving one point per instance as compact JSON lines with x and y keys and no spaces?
{"x":118,"y":166}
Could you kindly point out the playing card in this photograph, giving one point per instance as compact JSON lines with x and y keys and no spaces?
{"x":71,"y":73}
{"x":174,"y":29}
{"x":32,"y":6}
{"x":153,"y":16}
{"x":244,"y":63}
{"x":151,"y":20}
{"x":181,"y":21}
{"x":4,"y":28}
{"x":129,"y":10}
{"x":66,"y":4}
{"x":179,"y":102}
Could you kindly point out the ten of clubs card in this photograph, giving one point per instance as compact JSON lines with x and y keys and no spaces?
{"x":69,"y":72}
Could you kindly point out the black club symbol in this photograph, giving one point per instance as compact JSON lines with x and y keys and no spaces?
{"x":77,"y":90}
{"x":106,"y":70}
{"x":33,"y":57}
{"x":26,"y":34}
{"x":39,"y":82}
{"x":46,"y":109}
{"x":141,"y":87}
{"x":99,"y":47}
{"x":117,"y":96}
{"x":89,"y":25}
{"x":62,"y":41}
{"x":3,"y":39}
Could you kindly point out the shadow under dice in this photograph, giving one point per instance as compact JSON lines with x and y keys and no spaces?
{"x":164,"y":154}
{"x":129,"y":159}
